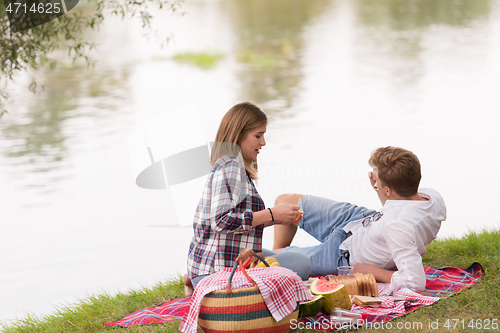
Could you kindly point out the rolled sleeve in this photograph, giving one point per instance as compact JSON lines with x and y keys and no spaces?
{"x":402,"y":244}
{"x":227,"y":214}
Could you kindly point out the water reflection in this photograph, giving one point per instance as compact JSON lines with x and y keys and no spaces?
{"x":406,"y":15}
{"x":270,"y":37}
{"x":41,"y":138}
{"x":393,"y":37}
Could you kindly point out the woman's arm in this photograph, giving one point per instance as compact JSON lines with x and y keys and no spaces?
{"x":262,"y":217}
{"x":283,"y":213}
{"x":229,"y":189}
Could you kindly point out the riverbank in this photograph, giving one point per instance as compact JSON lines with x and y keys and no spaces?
{"x":478,"y":304}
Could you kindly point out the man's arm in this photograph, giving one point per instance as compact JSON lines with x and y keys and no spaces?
{"x":380,"y":274}
{"x":402,"y":243}
{"x":405,"y":253}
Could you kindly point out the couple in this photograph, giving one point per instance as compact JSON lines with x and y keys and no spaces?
{"x":231,"y":215}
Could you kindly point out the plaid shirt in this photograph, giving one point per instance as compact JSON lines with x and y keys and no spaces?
{"x":223,"y":219}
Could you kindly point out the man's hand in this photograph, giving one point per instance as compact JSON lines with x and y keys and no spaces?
{"x":372,"y":179}
{"x":381,"y":275}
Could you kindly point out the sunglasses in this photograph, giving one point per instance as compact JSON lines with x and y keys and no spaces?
{"x":373,"y":218}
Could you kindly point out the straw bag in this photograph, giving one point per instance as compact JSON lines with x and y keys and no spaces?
{"x":240,"y":309}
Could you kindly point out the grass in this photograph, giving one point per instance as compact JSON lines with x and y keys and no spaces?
{"x":91,"y":314}
{"x":201,"y":59}
{"x":263,"y":62}
{"x":478,"y":303}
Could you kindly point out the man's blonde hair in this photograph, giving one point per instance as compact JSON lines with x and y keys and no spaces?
{"x":398,"y":169}
{"x":234,"y":127}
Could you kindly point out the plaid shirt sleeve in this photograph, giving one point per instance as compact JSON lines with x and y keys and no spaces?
{"x":229,"y":190}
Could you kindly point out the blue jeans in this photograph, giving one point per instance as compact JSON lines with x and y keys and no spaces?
{"x":324,"y":219}
{"x":296,"y":262}
{"x":197,"y":279}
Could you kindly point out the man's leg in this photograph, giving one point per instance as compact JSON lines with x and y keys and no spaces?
{"x":297,"y":262}
{"x":283,"y":234}
{"x":325,"y":257}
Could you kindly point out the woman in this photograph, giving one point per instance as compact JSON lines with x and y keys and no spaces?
{"x":231,"y":215}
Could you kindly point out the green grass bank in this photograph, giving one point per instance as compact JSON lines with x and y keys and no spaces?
{"x":479,"y":303}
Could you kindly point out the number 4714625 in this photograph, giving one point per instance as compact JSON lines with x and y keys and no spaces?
{"x":480,"y":324}
{"x":36,"y":8}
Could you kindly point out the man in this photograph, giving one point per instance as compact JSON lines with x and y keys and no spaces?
{"x":388,"y":244}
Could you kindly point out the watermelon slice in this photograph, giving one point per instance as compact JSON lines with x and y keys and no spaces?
{"x":335,"y":295}
{"x":312,"y":307}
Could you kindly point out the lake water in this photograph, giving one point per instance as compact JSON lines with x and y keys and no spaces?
{"x":337,"y":78}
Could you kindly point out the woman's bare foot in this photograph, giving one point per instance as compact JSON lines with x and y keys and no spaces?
{"x":188,"y":286}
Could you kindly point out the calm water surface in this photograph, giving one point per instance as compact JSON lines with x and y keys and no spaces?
{"x":337,"y":78}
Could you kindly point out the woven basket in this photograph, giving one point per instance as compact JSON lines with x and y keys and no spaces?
{"x":244,"y":310}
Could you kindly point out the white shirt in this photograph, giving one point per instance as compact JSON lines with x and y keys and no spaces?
{"x":398,"y":239}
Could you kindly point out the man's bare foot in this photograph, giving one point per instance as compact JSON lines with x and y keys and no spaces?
{"x":188,"y":285}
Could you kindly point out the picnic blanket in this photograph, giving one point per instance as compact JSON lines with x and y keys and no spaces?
{"x":440,"y":283}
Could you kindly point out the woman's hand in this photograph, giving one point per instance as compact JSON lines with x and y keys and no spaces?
{"x":283,"y":213}
{"x":286,"y":213}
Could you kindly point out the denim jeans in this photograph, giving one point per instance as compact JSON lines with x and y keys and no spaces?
{"x":324,"y":219}
{"x":296,"y":262}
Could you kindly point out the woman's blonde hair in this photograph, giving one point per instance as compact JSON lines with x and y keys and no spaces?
{"x":234,"y":127}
